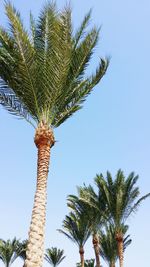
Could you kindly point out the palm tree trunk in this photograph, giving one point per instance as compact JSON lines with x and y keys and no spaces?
{"x":81,"y":251}
{"x":44,"y":139}
{"x":96,"y":249}
{"x":119,"y":238}
{"x":112,"y":264}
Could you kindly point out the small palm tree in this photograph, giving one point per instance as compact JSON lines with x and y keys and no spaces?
{"x":87,"y":263}
{"x":90,"y":203}
{"x":8,"y":251}
{"x":108,"y":249}
{"x":77,"y":229}
{"x":121,"y":196}
{"x":54,"y":256}
{"x":42,"y":79}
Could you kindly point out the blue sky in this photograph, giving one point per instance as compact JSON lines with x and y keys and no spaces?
{"x":112,"y":131}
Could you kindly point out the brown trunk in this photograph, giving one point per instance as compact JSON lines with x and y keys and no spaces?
{"x":81,"y":251}
{"x":96,"y":249}
{"x":112,"y":264}
{"x":119,"y":238}
{"x":35,"y":249}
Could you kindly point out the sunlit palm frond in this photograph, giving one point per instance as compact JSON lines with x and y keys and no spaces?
{"x":46,"y":68}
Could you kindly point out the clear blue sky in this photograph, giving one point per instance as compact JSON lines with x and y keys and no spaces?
{"x":112,"y":131}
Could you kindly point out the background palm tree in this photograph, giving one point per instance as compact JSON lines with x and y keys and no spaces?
{"x":8,"y":251}
{"x":22,"y":247}
{"x":90,"y":203}
{"x":108,"y":249}
{"x":42,"y":79}
{"x":87,"y":263}
{"x":121,"y":196}
{"x":77,"y":229}
{"x":54,"y":256}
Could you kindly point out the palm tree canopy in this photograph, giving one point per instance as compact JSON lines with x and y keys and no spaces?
{"x":108,"y":243}
{"x":91,"y":204}
{"x":54,"y":256}
{"x":43,"y":72}
{"x":8,"y":251}
{"x":87,"y":263}
{"x":121,"y":195}
{"x":76,"y":228}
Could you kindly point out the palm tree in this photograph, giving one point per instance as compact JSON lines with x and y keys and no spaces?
{"x":77,"y":229}
{"x":8,"y":251}
{"x":54,"y":256}
{"x":90,"y":203}
{"x":42,"y":79}
{"x":121,"y":197}
{"x":108,"y":249}
{"x":22,"y":247}
{"x":87,"y":263}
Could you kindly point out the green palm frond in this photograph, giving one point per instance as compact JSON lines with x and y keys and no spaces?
{"x":8,"y":251}
{"x":108,"y":243}
{"x":54,"y":256}
{"x":76,"y":228}
{"x":87,"y":263}
{"x":120,"y":195}
{"x":21,"y":250}
{"x":45,"y":68}
{"x":12,"y":104}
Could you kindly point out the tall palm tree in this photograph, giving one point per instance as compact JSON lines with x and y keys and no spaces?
{"x":108,"y":249}
{"x":121,"y":196}
{"x":54,"y":256}
{"x":90,"y":203}
{"x":8,"y":251}
{"x":42,"y":79}
{"x":77,"y":230}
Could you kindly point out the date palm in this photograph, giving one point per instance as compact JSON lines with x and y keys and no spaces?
{"x":121,"y":196}
{"x":108,"y":249}
{"x":22,"y":247}
{"x":90,"y":203}
{"x":42,"y":79}
{"x":77,"y":229}
{"x":54,"y":256}
{"x":8,"y":251}
{"x":87,"y":263}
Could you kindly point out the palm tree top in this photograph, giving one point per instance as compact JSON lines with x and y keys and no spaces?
{"x":43,"y":72}
{"x":76,"y":228}
{"x":8,"y":251}
{"x":120,"y":194}
{"x":54,"y":256}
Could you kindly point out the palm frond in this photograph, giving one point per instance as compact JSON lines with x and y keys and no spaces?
{"x":54,"y":256}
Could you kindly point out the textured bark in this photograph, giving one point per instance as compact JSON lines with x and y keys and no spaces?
{"x":81,"y":251}
{"x":112,"y":264}
{"x":96,"y":249}
{"x":119,"y":238}
{"x":35,"y":248}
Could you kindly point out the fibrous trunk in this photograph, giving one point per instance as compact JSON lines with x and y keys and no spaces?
{"x":81,"y":251}
{"x":35,"y":248}
{"x":119,"y":238}
{"x":96,"y":249}
{"x":112,"y":264}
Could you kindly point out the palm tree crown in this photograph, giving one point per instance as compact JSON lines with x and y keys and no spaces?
{"x":76,"y":228}
{"x":121,"y":195}
{"x":9,"y":251}
{"x":42,"y":74}
{"x":54,"y":256}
